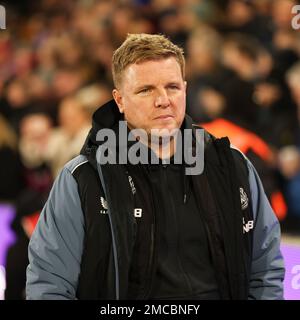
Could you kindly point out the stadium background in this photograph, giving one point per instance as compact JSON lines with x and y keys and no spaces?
{"x":243,"y":73}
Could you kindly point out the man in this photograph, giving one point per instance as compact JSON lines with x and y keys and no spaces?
{"x":154,"y":230}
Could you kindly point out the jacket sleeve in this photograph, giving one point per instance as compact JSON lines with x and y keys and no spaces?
{"x":56,"y":245}
{"x":267,"y":271}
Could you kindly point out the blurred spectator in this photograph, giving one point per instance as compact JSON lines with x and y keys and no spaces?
{"x":240,"y":54}
{"x":242,"y":17}
{"x":293,"y":80}
{"x":282,"y":13}
{"x":276,"y":112}
{"x":10,"y":165}
{"x":170,"y":24}
{"x":289,"y":165}
{"x":256,"y":94}
{"x":93,"y":96}
{"x":68,"y":80}
{"x":66,"y":141}
{"x":284,"y":37}
{"x":23,"y":61}
{"x":34,"y":130}
{"x":18,"y":101}
{"x":69,"y":52}
{"x":6,"y":52}
{"x":204,"y":72}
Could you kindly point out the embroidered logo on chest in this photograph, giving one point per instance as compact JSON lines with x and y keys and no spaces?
{"x":104,"y":206}
{"x":244,"y":199}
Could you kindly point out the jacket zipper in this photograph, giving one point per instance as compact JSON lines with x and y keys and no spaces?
{"x":148,"y":283}
{"x":150,"y":266}
{"x":177,"y":234}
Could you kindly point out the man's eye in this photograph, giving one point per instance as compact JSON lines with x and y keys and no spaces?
{"x":173,"y":87}
{"x":146,"y":90}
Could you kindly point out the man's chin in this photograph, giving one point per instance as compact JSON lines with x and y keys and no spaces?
{"x":164,"y":132}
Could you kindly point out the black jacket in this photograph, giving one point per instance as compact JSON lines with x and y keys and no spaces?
{"x":84,"y":243}
{"x":109,"y":240}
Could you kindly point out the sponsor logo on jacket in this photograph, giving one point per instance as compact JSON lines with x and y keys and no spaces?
{"x":247,"y":226}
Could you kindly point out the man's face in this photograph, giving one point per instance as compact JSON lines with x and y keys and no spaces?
{"x":152,"y":95}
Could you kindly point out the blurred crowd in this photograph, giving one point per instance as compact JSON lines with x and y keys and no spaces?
{"x":243,"y":74}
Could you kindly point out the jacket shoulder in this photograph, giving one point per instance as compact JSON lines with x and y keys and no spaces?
{"x":75,"y":163}
{"x":240,"y":160}
{"x":86,"y":177}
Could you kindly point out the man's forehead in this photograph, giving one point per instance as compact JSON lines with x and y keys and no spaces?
{"x":150,"y":61}
{"x":144,"y":70}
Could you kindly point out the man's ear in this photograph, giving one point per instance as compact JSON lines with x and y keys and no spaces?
{"x":118,"y":99}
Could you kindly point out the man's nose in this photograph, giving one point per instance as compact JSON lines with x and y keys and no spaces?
{"x":162,"y":99}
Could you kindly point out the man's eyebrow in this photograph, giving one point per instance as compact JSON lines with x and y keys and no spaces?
{"x":150,"y":86}
{"x":173,"y":83}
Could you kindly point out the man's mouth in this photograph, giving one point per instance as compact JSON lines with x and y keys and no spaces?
{"x":164,"y":117}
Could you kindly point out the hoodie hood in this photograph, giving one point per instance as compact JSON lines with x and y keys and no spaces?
{"x":107,"y":116}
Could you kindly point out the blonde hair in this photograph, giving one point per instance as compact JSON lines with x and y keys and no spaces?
{"x":142,"y":47}
{"x":8,"y":138}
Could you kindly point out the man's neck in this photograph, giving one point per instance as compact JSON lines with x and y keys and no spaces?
{"x":164,"y":147}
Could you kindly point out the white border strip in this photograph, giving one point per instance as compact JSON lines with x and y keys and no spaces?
{"x":79,"y":165}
